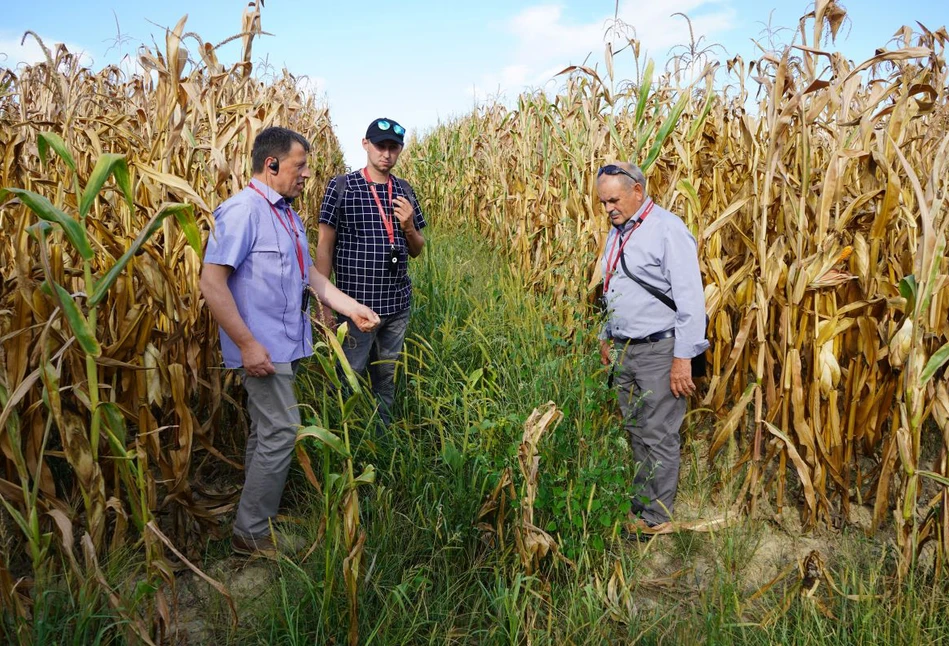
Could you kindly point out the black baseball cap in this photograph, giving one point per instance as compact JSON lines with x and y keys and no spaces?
{"x":385,"y":130}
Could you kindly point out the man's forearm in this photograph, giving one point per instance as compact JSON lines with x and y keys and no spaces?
{"x":329,"y":294}
{"x":414,"y":241}
{"x":325,"y":247}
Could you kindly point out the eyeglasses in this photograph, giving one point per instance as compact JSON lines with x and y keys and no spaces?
{"x":613,"y":169}
{"x":397,"y":129}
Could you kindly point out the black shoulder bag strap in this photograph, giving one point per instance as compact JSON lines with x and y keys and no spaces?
{"x":699,"y":363}
{"x":665,"y":300}
{"x":340,"y":190}
{"x":407,"y":189}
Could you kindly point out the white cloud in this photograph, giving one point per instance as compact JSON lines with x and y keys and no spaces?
{"x":545,"y":41}
{"x":13,"y":53}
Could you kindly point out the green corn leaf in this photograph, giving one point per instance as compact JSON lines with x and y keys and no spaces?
{"x":45,"y":210}
{"x":85,"y":335}
{"x":336,"y":342}
{"x":329,"y":368}
{"x":106,"y":165}
{"x":349,"y":406}
{"x":47,"y":140}
{"x":39,"y":230}
{"x":184,"y":214}
{"x":17,"y":517}
{"x":104,"y":284}
{"x":366,"y":477}
{"x":115,"y":428}
{"x":667,"y":127}
{"x":644,"y":87}
{"x":908,"y":290}
{"x":939,"y":358}
{"x":327,"y":437}
{"x":698,"y":123}
{"x":124,"y":180}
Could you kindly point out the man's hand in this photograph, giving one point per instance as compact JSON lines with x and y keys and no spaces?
{"x":364,"y":318}
{"x":680,"y":379}
{"x":256,"y":360}
{"x":404,"y":212}
{"x":604,"y":352}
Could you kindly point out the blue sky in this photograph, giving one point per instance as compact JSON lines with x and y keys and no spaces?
{"x":422,"y":61}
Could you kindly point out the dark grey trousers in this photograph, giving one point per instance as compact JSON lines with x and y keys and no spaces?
{"x":379,"y":350}
{"x":274,"y":420}
{"x":652,"y":416}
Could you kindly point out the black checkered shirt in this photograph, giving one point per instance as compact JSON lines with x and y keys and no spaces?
{"x":362,"y":244}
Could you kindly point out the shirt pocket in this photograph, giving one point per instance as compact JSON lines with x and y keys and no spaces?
{"x":269,"y":279}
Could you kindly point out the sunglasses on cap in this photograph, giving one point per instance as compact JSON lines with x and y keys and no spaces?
{"x":385,"y":125}
{"x":613,"y":169}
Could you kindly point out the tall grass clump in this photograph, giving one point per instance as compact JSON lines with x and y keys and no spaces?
{"x":815,"y":188}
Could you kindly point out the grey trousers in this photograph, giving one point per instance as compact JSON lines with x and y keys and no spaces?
{"x":274,"y":420}
{"x":379,"y":350}
{"x":652,"y":416}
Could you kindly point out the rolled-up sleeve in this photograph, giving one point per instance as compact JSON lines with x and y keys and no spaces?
{"x":681,"y":266}
{"x":235,"y":227}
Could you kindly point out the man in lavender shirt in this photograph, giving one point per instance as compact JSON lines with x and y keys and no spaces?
{"x":654,"y":343}
{"x":256,"y":280}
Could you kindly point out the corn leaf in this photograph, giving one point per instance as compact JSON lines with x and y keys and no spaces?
{"x":106,"y":165}
{"x":45,"y":210}
{"x":327,"y":437}
{"x":939,"y":358}
{"x":47,"y":140}
{"x":667,"y":127}
{"x":79,"y":324}
{"x":184,"y":211}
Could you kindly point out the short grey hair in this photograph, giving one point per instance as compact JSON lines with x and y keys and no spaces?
{"x":636,"y":175}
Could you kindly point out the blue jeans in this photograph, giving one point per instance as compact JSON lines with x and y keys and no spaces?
{"x":380,"y":351}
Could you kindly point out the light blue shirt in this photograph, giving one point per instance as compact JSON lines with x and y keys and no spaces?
{"x":662,"y":253}
{"x":266,"y":281}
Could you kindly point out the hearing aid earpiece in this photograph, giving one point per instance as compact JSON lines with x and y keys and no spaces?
{"x":274,"y":165}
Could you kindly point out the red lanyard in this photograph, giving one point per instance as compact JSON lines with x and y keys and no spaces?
{"x":611,"y":263}
{"x":295,"y":233}
{"x":386,"y":219}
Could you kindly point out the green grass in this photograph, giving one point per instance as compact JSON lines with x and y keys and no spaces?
{"x":482,"y":353}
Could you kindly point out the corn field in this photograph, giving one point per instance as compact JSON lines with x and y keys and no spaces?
{"x":114,"y":412}
{"x":816,"y":189}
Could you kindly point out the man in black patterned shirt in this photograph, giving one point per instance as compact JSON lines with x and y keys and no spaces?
{"x":370,"y":223}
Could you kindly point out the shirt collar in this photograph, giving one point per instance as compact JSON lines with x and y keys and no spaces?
{"x":272,"y":196}
{"x":636,"y":217}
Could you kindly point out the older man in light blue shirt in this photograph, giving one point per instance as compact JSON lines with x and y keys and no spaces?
{"x":655,"y":344}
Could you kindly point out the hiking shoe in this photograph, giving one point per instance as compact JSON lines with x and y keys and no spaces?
{"x":642,"y":530}
{"x":264,"y":547}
